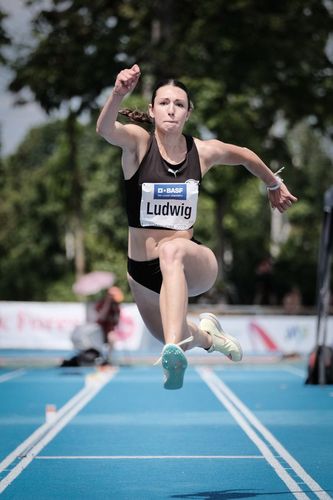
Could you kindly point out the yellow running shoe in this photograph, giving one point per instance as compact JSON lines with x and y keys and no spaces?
{"x":221,"y":341}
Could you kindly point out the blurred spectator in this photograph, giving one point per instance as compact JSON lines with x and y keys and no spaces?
{"x":264,"y":294}
{"x":108,"y":313}
{"x":292,"y":301}
{"x":94,"y":340}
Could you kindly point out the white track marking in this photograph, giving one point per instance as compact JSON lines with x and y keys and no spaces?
{"x":44,"y":434}
{"x":13,"y":374}
{"x":148,"y":457}
{"x":308,"y":480}
{"x":245,"y":419}
{"x":294,"y":371}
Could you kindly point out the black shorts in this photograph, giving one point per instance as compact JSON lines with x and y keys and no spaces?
{"x":148,"y":272}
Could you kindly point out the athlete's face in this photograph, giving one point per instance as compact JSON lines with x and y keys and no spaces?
{"x":170,"y":108}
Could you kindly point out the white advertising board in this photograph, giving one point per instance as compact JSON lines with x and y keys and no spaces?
{"x":36,"y":325}
{"x":39,"y":325}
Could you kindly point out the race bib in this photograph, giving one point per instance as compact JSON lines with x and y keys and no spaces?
{"x":173,"y":206}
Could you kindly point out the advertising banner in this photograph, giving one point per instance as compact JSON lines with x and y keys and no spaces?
{"x":34,"y":325}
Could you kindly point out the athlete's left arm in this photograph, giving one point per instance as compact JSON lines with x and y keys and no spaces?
{"x":221,"y":153}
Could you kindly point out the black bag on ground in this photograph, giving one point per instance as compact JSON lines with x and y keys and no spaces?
{"x":89,"y":357}
{"x":320,"y":354}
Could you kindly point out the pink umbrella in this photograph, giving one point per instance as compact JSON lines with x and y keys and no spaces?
{"x":93,"y":282}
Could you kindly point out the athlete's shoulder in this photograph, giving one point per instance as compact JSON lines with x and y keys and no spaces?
{"x":208,"y":146}
{"x":208,"y":150}
{"x":136,"y":130}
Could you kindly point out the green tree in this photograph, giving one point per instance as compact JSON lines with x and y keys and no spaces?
{"x":240,"y":60}
{"x":33,"y":191}
{"x":66,"y":69}
{"x":312,"y":176}
{"x":36,"y":245}
{"x":4,"y":38}
{"x":4,"y":42}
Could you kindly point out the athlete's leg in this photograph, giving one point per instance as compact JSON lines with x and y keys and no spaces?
{"x":148,"y":303}
{"x":208,"y":335}
{"x":188,"y":269}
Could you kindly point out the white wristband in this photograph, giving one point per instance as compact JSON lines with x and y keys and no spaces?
{"x":274,"y":187}
{"x":277,"y":184}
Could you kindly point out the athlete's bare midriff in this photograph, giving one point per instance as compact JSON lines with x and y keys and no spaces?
{"x":143,"y":244}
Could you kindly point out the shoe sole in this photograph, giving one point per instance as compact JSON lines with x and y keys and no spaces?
{"x":174,"y":364}
{"x":212,"y":318}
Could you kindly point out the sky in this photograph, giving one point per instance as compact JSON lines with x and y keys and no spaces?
{"x":15,"y":121}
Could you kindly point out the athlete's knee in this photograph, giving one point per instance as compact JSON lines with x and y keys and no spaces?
{"x":171,"y":254}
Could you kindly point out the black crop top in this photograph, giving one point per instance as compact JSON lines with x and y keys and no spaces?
{"x":161,"y":195}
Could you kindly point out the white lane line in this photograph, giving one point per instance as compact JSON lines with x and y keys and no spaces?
{"x":148,"y":457}
{"x":212,"y":381}
{"x":38,"y":433}
{"x":294,"y":371}
{"x":290,"y":460}
{"x":27,"y":450}
{"x":239,"y":409}
{"x":13,"y":374}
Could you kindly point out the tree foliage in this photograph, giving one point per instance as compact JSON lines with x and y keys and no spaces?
{"x":4,"y":37}
{"x":258,"y":71}
{"x":35,"y":232}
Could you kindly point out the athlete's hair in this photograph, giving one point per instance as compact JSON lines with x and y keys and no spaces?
{"x":141,"y":116}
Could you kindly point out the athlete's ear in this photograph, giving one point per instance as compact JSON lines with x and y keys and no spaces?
{"x":188,"y":114}
{"x":150,"y":111}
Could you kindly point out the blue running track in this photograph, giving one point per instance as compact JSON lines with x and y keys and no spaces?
{"x":233,"y":431}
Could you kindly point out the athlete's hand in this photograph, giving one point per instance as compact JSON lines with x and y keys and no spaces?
{"x":281,"y":198}
{"x":127,"y":80}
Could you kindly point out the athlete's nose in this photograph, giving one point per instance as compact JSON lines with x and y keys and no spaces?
{"x":171,"y":109}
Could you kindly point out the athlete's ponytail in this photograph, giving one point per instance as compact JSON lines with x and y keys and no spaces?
{"x":136,"y":116}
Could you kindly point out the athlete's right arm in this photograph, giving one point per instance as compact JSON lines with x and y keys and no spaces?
{"x":124,"y":136}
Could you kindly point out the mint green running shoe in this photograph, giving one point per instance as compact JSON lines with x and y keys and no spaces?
{"x":174,"y":364}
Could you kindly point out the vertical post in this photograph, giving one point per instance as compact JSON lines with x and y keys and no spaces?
{"x":323,"y":283}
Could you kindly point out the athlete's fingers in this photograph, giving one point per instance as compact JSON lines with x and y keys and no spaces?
{"x":135,"y":69}
{"x":281,"y":198}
